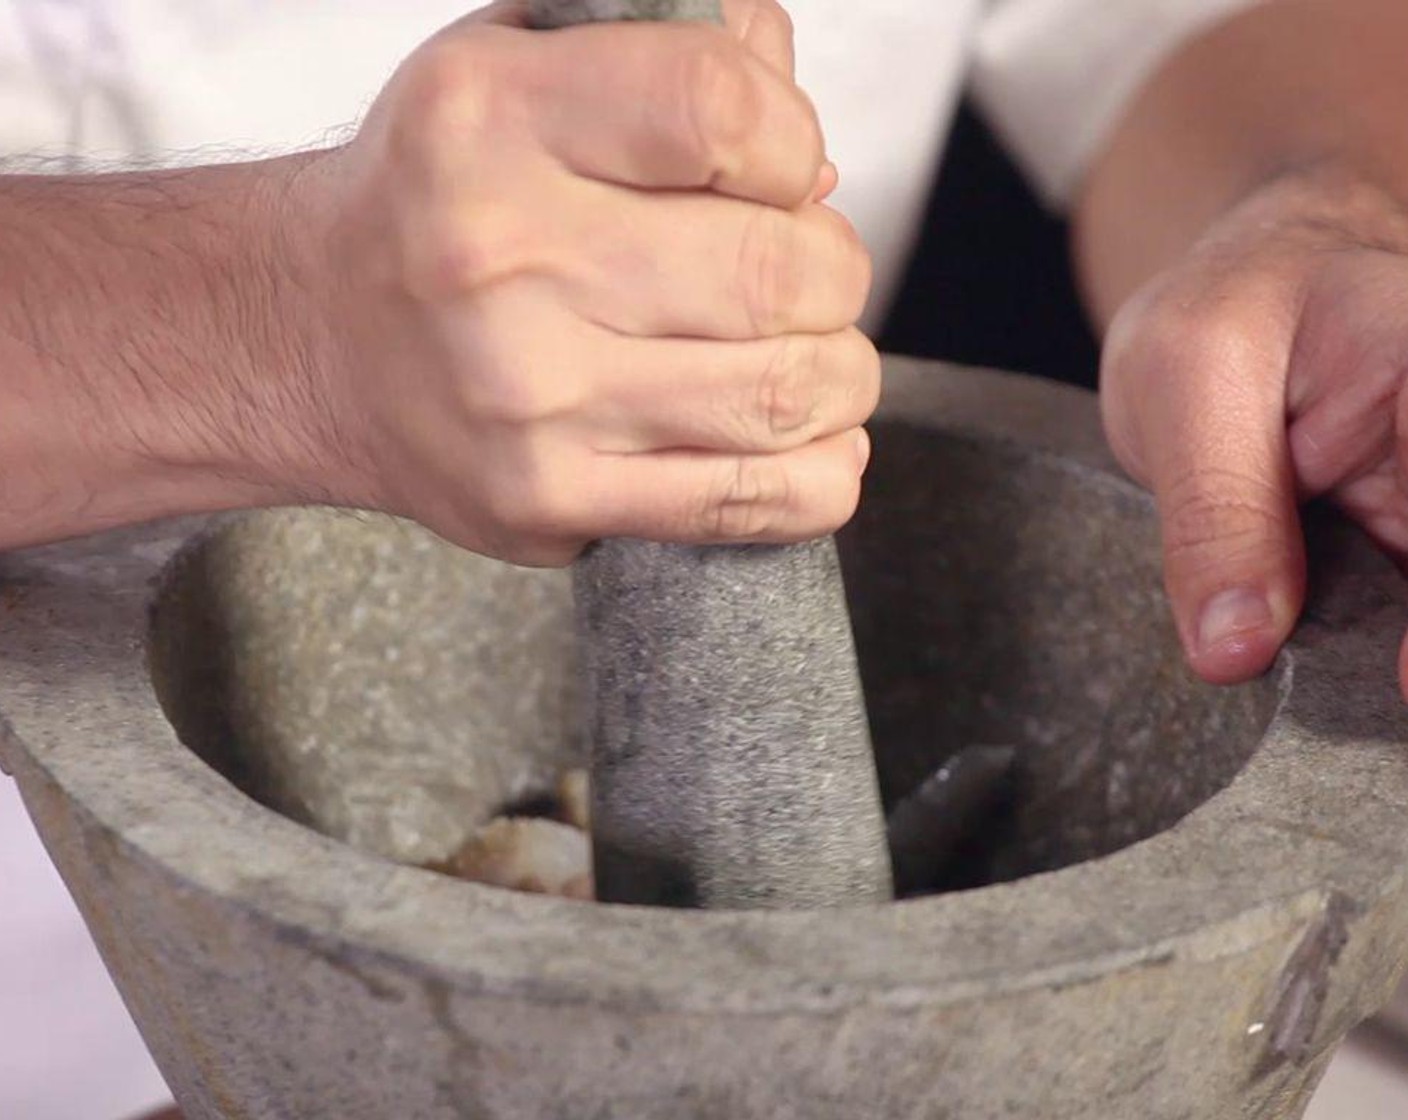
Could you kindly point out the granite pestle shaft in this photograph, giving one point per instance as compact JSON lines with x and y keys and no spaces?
{"x":731,"y":758}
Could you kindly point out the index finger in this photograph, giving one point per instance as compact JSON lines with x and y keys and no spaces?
{"x":681,"y":107}
{"x":1194,"y":404}
{"x":689,"y":106}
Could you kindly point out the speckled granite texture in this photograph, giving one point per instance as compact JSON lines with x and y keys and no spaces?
{"x":563,"y":13}
{"x":226,"y":754}
{"x":731,"y":761}
{"x":730,"y":754}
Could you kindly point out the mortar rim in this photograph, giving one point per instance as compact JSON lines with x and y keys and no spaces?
{"x":529,"y":947}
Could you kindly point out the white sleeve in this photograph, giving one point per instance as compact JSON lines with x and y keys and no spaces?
{"x":1052,"y":76}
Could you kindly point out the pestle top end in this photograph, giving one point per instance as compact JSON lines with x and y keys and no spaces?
{"x":549,"y":14}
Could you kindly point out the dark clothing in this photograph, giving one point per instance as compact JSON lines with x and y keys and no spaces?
{"x":990,"y":279}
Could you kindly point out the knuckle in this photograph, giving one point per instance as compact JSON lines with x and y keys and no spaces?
{"x":767,"y":22}
{"x":864,"y":376}
{"x":770,"y":272}
{"x":787,"y":392}
{"x":527,"y":392}
{"x":777,"y":20}
{"x":746,"y":499}
{"x":1155,"y":337}
{"x":1225,"y":512}
{"x":445,"y":92}
{"x":855,"y":272}
{"x":454,"y":254}
{"x":845,"y":500}
{"x":1166,"y":350}
{"x":721,"y":102}
{"x":1121,"y":432}
{"x":811,"y":142}
{"x":456,"y":232}
{"x":524,"y":401}
{"x":780,"y":18}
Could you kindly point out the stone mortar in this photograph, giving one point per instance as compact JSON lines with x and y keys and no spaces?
{"x":1206,"y":889}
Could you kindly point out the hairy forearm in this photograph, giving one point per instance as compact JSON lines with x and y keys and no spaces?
{"x":1290,"y":86}
{"x":156,"y":349}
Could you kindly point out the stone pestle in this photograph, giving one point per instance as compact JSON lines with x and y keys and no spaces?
{"x":731,"y":757}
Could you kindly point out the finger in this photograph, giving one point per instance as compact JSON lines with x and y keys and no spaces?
{"x":1403,"y":668}
{"x":1378,"y":502}
{"x":827,"y":182}
{"x":1195,"y":405}
{"x":683,"y":106}
{"x":1346,"y":370}
{"x":765,"y":29}
{"x":706,"y":267}
{"x":747,"y":397}
{"x":699,"y":498}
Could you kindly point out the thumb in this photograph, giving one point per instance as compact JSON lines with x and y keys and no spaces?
{"x":1195,"y":407}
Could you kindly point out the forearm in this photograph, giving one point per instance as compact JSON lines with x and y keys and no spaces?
{"x":461,"y":316}
{"x":1292,"y":84}
{"x":156,"y":354}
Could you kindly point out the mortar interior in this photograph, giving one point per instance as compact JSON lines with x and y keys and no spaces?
{"x":371,"y":682}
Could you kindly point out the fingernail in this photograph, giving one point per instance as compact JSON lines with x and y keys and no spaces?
{"x":1230,"y":615}
{"x":863,"y":448}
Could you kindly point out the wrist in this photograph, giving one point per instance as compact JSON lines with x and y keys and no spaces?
{"x":270,"y":424}
{"x":256,"y":415}
{"x":292,"y":424}
{"x":1208,"y":131}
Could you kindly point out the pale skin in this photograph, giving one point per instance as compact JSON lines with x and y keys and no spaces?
{"x":1245,"y":238}
{"x":468,"y":315}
